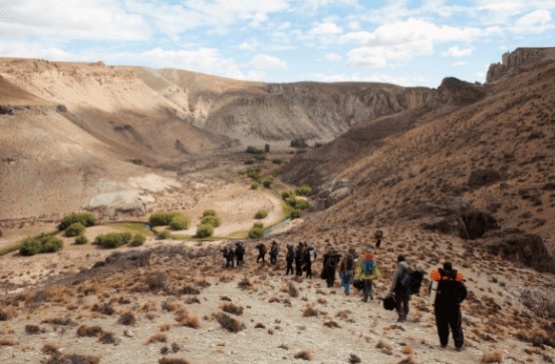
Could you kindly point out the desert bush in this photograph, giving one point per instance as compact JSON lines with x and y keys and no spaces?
{"x":287,"y":194}
{"x":254,"y":186}
{"x":309,"y":311}
{"x":209,"y":212}
{"x":295,"y":214}
{"x":138,"y":240}
{"x":260,"y":214}
{"x":256,"y":231}
{"x":260,"y":157}
{"x":105,"y":309}
{"x":89,"y":331}
{"x":293,"y":290}
{"x":74,"y":229}
{"x":303,"y":190}
{"x":229,"y":323}
{"x":302,"y":204}
{"x":6,"y":313}
{"x":254,"y":174}
{"x":81,"y":239}
{"x":40,"y":244}
{"x":180,"y":222}
{"x":113,"y":240}
{"x":214,"y":221}
{"x":58,"y":358}
{"x":495,"y":357}
{"x":231,"y":308}
{"x":204,"y":231}
{"x":84,"y":218}
{"x":127,"y":318}
{"x":268,"y":182}
{"x":50,"y":348}
{"x":304,"y":355}
{"x":33,"y":329}
{"x":173,"y":361}
{"x":164,"y":234}
{"x":161,"y":218}
{"x":277,"y":161}
{"x":159,"y":337}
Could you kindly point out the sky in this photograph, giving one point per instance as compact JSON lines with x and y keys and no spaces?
{"x":408,"y":43}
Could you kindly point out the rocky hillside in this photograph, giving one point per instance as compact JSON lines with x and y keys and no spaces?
{"x":481,"y":168}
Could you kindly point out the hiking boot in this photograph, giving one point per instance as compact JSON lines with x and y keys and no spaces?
{"x":459,"y":348}
{"x":443,"y":346}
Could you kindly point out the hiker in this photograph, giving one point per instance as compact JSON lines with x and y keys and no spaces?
{"x":346,"y":269}
{"x":224,"y":252}
{"x":331,"y":260}
{"x":299,"y":259}
{"x":239,"y":254}
{"x":378,"y":235}
{"x":289,"y":258}
{"x":274,"y":249}
{"x":399,"y":290}
{"x":367,"y":271}
{"x":229,"y":258}
{"x":261,"y":252}
{"x":309,"y":256}
{"x":451,"y":291}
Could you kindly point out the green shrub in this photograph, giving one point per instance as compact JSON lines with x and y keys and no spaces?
{"x":209,"y":213}
{"x":287,"y":194}
{"x":161,"y":218}
{"x":260,"y":214}
{"x":257,"y":231}
{"x":302,"y":204}
{"x":52,"y":244}
{"x":254,"y":186}
{"x":40,"y":244}
{"x":258,"y":225}
{"x":275,"y":172}
{"x":291,"y":201}
{"x":260,"y":157}
{"x":85,"y":218}
{"x":164,"y":234}
{"x":113,"y":240}
{"x":204,"y":231}
{"x":249,"y":162}
{"x":268,"y":182}
{"x":276,"y":161}
{"x":214,"y":221}
{"x":295,"y":214}
{"x":74,"y":229}
{"x":180,"y":222}
{"x":254,"y":174}
{"x":81,"y":239}
{"x":304,"y":190}
{"x":30,"y":246}
{"x":138,"y":240}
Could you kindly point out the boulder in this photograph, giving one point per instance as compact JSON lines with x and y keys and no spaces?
{"x":483,"y":177}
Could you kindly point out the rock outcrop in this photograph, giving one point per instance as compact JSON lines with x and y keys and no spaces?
{"x":517,"y":61}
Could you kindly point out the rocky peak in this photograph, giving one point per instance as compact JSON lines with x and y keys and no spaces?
{"x":521,"y":59}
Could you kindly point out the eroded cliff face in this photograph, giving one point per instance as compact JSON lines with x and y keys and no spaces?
{"x":517,"y":61}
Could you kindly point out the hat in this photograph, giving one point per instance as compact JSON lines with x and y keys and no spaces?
{"x":369,"y":251}
{"x":447,"y":266}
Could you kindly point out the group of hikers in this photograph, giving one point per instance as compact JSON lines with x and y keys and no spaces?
{"x":447,"y":289}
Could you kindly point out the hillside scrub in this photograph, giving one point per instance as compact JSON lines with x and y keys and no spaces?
{"x":214,"y":221}
{"x":138,"y":240}
{"x":209,"y":212}
{"x":84,"y":218}
{"x":74,"y":229}
{"x":40,"y":244}
{"x":268,"y":182}
{"x":81,"y":239}
{"x":180,"y":222}
{"x":204,"y":231}
{"x":261,"y":214}
{"x":113,"y":240}
{"x":257,"y":231}
{"x":303,"y":190}
{"x":161,"y":218}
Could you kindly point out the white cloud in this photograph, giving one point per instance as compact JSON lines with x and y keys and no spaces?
{"x":71,"y":19}
{"x":267,"y":62}
{"x":376,"y":77}
{"x":457,"y":52}
{"x":333,"y":57}
{"x":535,"y":22}
{"x":326,"y":29}
{"x":360,"y":37}
{"x":460,"y":63}
{"x":248,"y":46}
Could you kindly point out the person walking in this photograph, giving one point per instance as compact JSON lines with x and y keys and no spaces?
{"x":346,"y":270}
{"x":289,"y":258}
{"x":299,"y":259}
{"x":261,"y":252}
{"x":239,"y":254}
{"x":399,"y":290}
{"x":450,"y":292}
{"x":331,"y":260}
{"x":367,"y":271}
{"x":309,"y":256}
{"x":274,"y":250}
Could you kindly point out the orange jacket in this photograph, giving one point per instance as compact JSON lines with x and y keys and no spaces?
{"x":436,"y":276}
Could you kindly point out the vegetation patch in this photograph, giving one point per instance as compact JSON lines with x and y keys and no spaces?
{"x":74,"y":229}
{"x":40,"y":244}
{"x":161,"y":218}
{"x":84,"y":218}
{"x":113,"y":240}
{"x":138,"y":240}
{"x":261,"y":214}
{"x":229,"y":323}
{"x":180,"y":222}
{"x":257,"y":231}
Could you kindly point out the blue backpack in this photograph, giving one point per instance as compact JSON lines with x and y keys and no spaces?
{"x":368,"y":266}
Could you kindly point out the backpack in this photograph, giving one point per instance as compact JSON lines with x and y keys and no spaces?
{"x":274,"y":250}
{"x":332,"y":261}
{"x":368,"y":266}
{"x":405,"y":279}
{"x":312,"y":254}
{"x":378,"y":234}
{"x":290,"y":254}
{"x":411,"y":279}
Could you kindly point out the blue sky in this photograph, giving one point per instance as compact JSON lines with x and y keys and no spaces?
{"x":409,"y":43}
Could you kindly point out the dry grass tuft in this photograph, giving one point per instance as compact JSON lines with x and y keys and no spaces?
{"x":243,"y":284}
{"x":90,"y":331}
{"x":354,"y":359}
{"x":229,"y":323}
{"x":127,"y":318}
{"x":383,"y":345}
{"x":4,"y":341}
{"x":159,"y":337}
{"x":332,"y":324}
{"x":105,"y":309}
{"x":408,"y":360}
{"x":231,"y":308}
{"x":184,"y":318}
{"x":309,"y":311}
{"x":7,"y":313}
{"x":33,"y":329}
{"x":166,"y":326}
{"x":344,"y":315}
{"x":190,"y":290}
{"x":50,"y":348}
{"x":293,"y":290}
{"x":304,"y":355}
{"x":58,"y":358}
{"x":407,"y":349}
{"x":495,"y":357}
{"x":322,"y":300}
{"x":191,"y":300}
{"x":60,"y":321}
{"x":173,"y":361}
